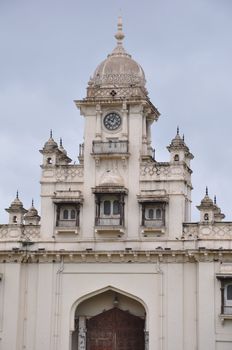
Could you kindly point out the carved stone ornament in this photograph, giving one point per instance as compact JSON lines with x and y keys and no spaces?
{"x":69,"y":173}
{"x":154,"y":169}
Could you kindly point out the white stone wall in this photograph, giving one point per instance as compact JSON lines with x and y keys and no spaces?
{"x":182,"y":301}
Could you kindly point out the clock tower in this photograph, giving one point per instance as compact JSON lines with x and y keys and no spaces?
{"x":118,"y":117}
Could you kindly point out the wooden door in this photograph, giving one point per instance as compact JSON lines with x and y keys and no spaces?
{"x":115,"y":330}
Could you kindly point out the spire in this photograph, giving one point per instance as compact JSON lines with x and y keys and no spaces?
{"x":17,"y":194}
{"x":32,"y":202}
{"x":51,"y":134}
{"x":206,"y":191}
{"x":215,"y":200}
{"x":177,"y":130}
{"x":119,"y":36}
{"x":61,"y":142}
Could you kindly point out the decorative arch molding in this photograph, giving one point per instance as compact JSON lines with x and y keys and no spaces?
{"x":100,"y":291}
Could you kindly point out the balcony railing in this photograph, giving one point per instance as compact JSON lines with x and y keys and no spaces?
{"x":153,"y":223}
{"x":108,"y":222}
{"x":67,"y":223}
{"x":111,"y":147}
{"x":227,"y":309}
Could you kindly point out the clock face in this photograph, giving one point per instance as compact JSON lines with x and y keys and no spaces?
{"x":112,"y":121}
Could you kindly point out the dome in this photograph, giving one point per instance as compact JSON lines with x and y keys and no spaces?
{"x":16,"y":204}
{"x":32,"y":212}
{"x":50,"y":145}
{"x":119,"y":70}
{"x":206,"y":202}
{"x":178,"y":142}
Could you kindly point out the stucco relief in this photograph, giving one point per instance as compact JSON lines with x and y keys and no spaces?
{"x":32,"y":231}
{"x":209,"y":231}
{"x":3,"y":232}
{"x":69,"y":173}
{"x":119,"y":78}
{"x":154,"y":170}
{"x":119,"y":92}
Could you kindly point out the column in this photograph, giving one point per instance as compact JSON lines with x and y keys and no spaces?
{"x":98,"y":121}
{"x":124,"y":121}
{"x":82,"y":333}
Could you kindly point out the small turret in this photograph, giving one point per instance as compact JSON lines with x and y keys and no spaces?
{"x":32,"y":217}
{"x":16,"y":211}
{"x":206,"y":208}
{"x":179,"y":151}
{"x":49,"y":151}
{"x":54,"y":155}
{"x":62,"y":158}
{"x":218,"y":215}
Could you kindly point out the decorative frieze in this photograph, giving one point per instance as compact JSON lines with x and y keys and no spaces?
{"x":152,"y":170}
{"x":18,"y":232}
{"x":26,"y":251}
{"x":217,"y":230}
{"x":69,"y":173}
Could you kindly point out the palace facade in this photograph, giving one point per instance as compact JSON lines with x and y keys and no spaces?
{"x":113,"y":261}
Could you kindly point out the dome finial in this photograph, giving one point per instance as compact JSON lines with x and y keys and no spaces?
{"x":50,"y":133}
{"x":119,"y":35}
{"x":206,"y":191}
{"x":17,"y":194}
{"x":177,"y":130}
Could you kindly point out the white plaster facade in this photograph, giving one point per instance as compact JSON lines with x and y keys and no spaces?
{"x":116,"y":232}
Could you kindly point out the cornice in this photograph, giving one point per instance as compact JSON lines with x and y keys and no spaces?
{"x":22,"y":256}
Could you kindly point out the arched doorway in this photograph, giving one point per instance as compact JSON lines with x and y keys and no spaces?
{"x":109,"y":321}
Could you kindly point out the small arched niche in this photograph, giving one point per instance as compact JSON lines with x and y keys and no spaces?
{"x":109,"y":320}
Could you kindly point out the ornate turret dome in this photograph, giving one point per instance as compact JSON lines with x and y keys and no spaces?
{"x":117,"y":72}
{"x":32,"y":212}
{"x":50,"y":145}
{"x":16,"y":205}
{"x":206,"y":202}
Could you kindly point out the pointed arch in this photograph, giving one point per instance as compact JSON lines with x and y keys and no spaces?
{"x":100,"y":291}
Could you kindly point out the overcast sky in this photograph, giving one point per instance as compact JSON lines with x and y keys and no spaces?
{"x":50,"y":48}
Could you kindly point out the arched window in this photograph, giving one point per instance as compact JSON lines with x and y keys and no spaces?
{"x":49,"y":160}
{"x":116,"y":209}
{"x":65,"y":214}
{"x":206,"y":217}
{"x":176,"y":158}
{"x":158,"y":213}
{"x":150,"y":214}
{"x":73,"y":214}
{"x":15,"y":219}
{"x":107,"y":207}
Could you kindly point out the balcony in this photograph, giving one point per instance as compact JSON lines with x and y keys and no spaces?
{"x":110,"y":147}
{"x":108,"y":222}
{"x":67,"y":223}
{"x":110,"y":227}
{"x":153,"y":223}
